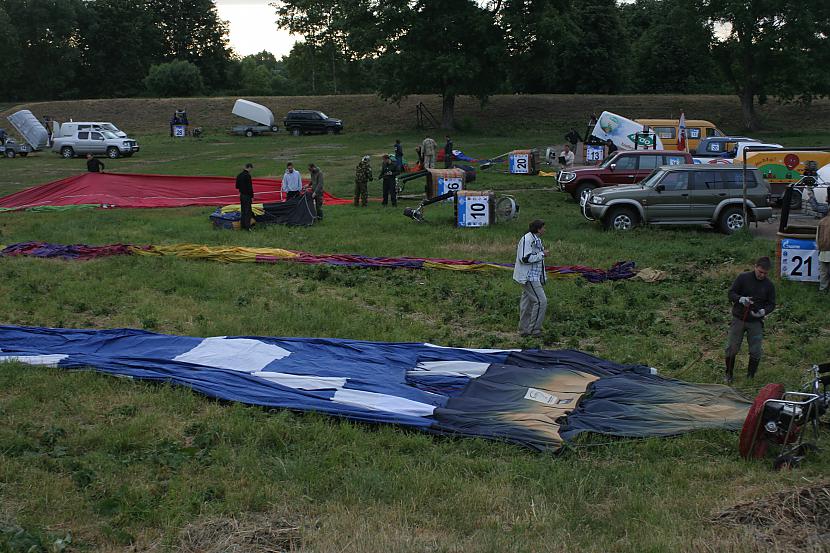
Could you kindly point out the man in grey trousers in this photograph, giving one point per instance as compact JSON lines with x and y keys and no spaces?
{"x":529,"y":271}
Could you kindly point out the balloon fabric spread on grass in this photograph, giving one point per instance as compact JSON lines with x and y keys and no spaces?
{"x":237,"y":254}
{"x":536,"y":398}
{"x":136,"y":191}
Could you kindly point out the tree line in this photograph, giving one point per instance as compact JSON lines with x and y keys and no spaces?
{"x":755,"y":49}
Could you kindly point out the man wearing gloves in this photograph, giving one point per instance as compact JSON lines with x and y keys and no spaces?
{"x":529,"y":271}
{"x":753,"y":298}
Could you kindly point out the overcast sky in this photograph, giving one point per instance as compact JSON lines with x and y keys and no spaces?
{"x":253,"y":28}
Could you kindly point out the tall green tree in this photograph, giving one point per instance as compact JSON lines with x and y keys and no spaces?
{"x":110,"y":26}
{"x":669,"y":48}
{"x":450,"y":48}
{"x":767,"y":47}
{"x":594,"y":63}
{"x":49,"y":46}
{"x":175,"y":78}
{"x":192,"y":31}
{"x":540,"y":36}
{"x":10,"y":62}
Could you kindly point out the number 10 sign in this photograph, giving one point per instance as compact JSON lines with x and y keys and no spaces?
{"x":799,"y":260}
{"x":473,"y":210}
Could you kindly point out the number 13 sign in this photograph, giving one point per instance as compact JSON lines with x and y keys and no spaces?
{"x":799,"y":260}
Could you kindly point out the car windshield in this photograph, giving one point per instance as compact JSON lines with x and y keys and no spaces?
{"x":323,"y":115}
{"x":109,"y":134}
{"x":109,"y":127}
{"x":653,"y":178}
{"x":608,"y":161}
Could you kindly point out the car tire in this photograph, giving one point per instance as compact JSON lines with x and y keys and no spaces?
{"x":249,"y":133}
{"x":330,"y":130}
{"x":10,"y":153}
{"x":621,"y":219}
{"x":275,"y":129}
{"x":581,"y":190}
{"x":295,"y":131}
{"x":113,"y":153}
{"x":67,"y":152}
{"x":795,"y":199}
{"x":731,"y":220}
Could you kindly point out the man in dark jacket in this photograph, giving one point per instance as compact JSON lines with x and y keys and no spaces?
{"x":399,"y":155}
{"x":753,"y":298}
{"x":246,"y":195}
{"x":388,"y":172}
{"x":317,"y":188}
{"x":93,"y":164}
{"x":448,"y":153}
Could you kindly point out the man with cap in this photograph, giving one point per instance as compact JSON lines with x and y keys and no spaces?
{"x":362,"y":176}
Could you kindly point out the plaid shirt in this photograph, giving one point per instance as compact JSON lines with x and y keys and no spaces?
{"x":537,"y":270}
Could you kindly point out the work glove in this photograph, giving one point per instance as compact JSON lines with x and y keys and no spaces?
{"x":746,"y":301}
{"x":758,"y":314}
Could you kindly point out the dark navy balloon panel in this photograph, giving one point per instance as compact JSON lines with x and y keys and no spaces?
{"x":535,"y":398}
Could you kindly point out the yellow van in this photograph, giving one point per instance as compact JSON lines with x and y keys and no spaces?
{"x":667,"y":130}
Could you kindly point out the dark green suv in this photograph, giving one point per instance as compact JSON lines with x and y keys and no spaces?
{"x":683,"y":195}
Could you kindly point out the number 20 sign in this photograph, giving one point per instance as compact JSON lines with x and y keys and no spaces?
{"x":799,"y":260}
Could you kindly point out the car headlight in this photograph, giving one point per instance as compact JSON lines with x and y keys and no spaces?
{"x":599,"y":200}
{"x":566,"y":176}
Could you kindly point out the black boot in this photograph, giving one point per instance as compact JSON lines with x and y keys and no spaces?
{"x":730,"y":369}
{"x":752,"y":368}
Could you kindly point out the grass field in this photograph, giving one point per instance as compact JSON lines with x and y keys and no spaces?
{"x":129,"y":466}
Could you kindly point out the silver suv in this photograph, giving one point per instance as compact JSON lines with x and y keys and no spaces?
{"x":94,"y":142}
{"x":683,"y":195}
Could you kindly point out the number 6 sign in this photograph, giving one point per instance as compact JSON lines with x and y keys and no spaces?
{"x":799,"y":260}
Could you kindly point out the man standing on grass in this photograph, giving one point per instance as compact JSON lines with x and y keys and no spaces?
{"x":428,"y":149}
{"x":246,"y":195}
{"x":292,"y":182}
{"x":317,"y":188}
{"x":388,"y":172}
{"x":362,"y":176}
{"x":823,"y":245}
{"x":753,"y":298}
{"x":529,"y":271}
{"x":93,"y":164}
{"x":399,"y":155}
{"x":448,"y":153}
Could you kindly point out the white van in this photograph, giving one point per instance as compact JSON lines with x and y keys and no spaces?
{"x":71,"y":127}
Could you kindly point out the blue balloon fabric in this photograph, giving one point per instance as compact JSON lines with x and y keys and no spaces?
{"x":537,"y":398}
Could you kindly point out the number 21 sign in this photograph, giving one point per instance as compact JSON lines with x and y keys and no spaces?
{"x":799,"y":260}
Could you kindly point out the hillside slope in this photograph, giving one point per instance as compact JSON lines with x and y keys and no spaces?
{"x":504,"y":114}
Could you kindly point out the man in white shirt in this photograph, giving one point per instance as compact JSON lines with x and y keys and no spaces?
{"x":529,"y":271}
{"x":566,"y":158}
{"x":292,"y":182}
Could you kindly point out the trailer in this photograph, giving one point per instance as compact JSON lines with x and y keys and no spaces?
{"x":30,"y":129}
{"x":262,"y":120}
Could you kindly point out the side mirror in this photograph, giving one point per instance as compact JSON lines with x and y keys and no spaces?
{"x":660,"y":187}
{"x":613,"y":166}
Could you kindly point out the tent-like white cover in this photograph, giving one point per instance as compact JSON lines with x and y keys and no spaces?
{"x":253,"y":111}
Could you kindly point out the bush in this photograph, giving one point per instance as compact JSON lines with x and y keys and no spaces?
{"x":176,"y":78}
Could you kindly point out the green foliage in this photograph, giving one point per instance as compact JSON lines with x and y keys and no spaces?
{"x":772,"y":48}
{"x":176,"y":78}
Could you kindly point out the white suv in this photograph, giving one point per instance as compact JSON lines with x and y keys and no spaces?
{"x":94,"y":142}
